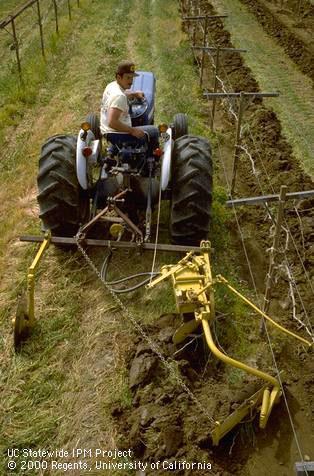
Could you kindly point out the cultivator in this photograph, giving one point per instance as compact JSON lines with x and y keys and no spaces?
{"x":193,"y":286}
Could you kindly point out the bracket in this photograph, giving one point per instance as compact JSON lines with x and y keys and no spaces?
{"x":24,"y":319}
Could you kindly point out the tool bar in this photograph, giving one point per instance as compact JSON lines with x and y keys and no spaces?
{"x":242,"y":93}
{"x":268,"y":198}
{"x":203,"y":17}
{"x":60,"y":240}
{"x":215,"y":48}
{"x":8,"y":19}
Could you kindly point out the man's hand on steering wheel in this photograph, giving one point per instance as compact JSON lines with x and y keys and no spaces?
{"x":135,"y":95}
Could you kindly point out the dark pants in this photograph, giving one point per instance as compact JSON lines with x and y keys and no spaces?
{"x":151,"y":138}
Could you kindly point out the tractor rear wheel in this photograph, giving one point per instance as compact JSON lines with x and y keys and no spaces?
{"x":63,"y":204}
{"x":191,"y":190}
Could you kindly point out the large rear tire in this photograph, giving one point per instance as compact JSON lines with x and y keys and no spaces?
{"x":191,"y":190}
{"x":63,"y":203}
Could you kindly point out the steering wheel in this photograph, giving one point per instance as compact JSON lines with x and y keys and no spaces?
{"x":136,"y":102}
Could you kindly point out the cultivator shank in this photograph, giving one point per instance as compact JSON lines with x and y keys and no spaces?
{"x":193,"y":289}
{"x":24,"y":319}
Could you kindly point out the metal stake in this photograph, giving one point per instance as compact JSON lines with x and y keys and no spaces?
{"x":40,"y":30}
{"x":16,"y":47}
{"x":237,"y":142}
{"x":56,"y":15}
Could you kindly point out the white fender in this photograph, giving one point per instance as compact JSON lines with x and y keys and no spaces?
{"x":165,"y":174}
{"x":81,"y":160}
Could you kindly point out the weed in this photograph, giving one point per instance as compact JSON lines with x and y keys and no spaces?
{"x":221,"y":215}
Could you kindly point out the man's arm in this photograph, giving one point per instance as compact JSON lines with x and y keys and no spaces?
{"x":113,"y":120}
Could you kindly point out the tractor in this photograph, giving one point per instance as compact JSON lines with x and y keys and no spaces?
{"x":79,"y":176}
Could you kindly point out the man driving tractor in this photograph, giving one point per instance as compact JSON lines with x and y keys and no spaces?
{"x":115,"y":108}
{"x":115,"y":116}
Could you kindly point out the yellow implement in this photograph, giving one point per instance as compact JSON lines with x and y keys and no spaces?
{"x":25,"y":314}
{"x":193,"y":289}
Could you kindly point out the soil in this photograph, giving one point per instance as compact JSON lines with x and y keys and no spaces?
{"x":291,"y":27}
{"x":164,"y":422}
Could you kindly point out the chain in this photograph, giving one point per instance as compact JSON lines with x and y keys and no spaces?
{"x":152,"y":344}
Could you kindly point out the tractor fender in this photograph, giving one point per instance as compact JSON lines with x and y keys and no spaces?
{"x":81,"y":160}
{"x":165,"y":174}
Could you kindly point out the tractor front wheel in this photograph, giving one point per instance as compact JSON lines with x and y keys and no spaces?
{"x":93,"y":120}
{"x":63,"y":204}
{"x":180,"y":125}
{"x":191,"y":190}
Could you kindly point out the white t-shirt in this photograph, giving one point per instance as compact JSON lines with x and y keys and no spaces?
{"x":114,"y":96}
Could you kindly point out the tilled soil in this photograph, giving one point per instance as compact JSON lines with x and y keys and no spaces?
{"x":165,"y":422}
{"x":292,"y":29}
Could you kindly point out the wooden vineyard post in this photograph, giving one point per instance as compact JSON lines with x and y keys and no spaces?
{"x":16,"y":47}
{"x":215,"y":89}
{"x":243,"y":96}
{"x":183,"y":7}
{"x":56,"y":15}
{"x":69,"y":10}
{"x":40,"y":30}
{"x":203,"y":51}
{"x":237,"y":142}
{"x":192,"y":10}
{"x":273,"y":251}
{"x":197,"y":18}
{"x":299,"y":8}
{"x":216,"y":66}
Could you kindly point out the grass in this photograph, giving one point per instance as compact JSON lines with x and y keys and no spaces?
{"x":294,"y":107}
{"x":16,"y":96}
{"x":37,"y":402}
{"x":8,"y":6}
{"x":60,"y":390}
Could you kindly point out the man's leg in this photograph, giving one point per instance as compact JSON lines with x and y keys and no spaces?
{"x":153,"y":136}
{"x":122,"y":138}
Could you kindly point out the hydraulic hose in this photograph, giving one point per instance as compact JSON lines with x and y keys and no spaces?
{"x":104,"y":271}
